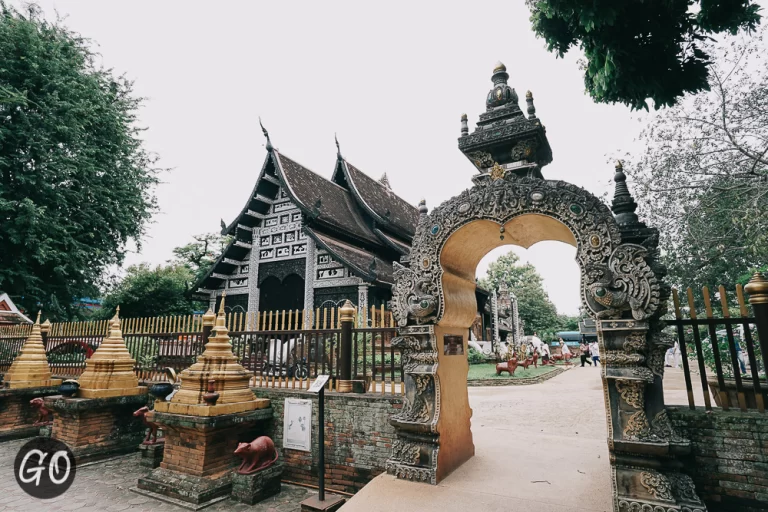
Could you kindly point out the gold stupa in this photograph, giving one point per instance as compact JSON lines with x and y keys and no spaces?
{"x":109,"y":372}
{"x":30,"y":368}
{"x":218,"y":363}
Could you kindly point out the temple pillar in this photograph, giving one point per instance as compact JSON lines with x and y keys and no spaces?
{"x":309,"y":283}
{"x":253,"y":274}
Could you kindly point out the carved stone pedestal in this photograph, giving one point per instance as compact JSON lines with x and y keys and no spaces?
{"x":17,"y":415}
{"x":645,"y":449}
{"x":151,"y":455}
{"x":96,"y":428}
{"x":198,"y":458}
{"x":252,"y":489}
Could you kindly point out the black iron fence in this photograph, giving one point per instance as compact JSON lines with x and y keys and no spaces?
{"x":719,"y":346}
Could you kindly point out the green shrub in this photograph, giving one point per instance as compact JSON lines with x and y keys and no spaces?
{"x":475,"y":357}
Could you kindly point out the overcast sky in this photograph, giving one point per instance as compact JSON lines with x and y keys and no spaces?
{"x":392,"y":80}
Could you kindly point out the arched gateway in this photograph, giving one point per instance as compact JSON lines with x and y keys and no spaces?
{"x":621,"y":287}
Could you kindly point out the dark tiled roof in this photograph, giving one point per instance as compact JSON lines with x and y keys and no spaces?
{"x":382,"y":202}
{"x":324,"y":201}
{"x":399,"y":246}
{"x":363,"y":263}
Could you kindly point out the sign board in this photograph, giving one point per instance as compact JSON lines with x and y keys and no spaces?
{"x":319,"y":383}
{"x":297,"y":424}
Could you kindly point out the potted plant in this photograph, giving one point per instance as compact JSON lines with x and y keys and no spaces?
{"x":727,"y":368}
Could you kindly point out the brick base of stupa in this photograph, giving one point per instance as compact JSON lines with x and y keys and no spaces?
{"x":198,"y":454}
{"x":17,"y":416}
{"x":96,"y":428}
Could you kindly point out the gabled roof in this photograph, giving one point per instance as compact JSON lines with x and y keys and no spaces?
{"x":364,"y":264}
{"x":9,"y":313}
{"x":322,"y":200}
{"x":378,"y":200}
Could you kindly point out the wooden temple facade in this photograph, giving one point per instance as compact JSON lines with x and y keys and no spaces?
{"x":303,"y":242}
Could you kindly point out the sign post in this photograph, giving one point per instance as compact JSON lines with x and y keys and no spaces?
{"x":319,"y":503}
{"x":319,"y":387}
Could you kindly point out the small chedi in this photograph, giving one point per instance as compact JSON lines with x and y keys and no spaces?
{"x":213,"y":411}
{"x":217,"y":363}
{"x":110,"y":370}
{"x":30,"y":369}
{"x":98,"y":420}
{"x":27,"y":380}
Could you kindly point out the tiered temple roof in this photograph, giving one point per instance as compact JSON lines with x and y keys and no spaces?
{"x":361,"y":222}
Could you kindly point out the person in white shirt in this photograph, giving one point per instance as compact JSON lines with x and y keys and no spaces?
{"x":594,"y":349}
{"x":565,"y":350}
{"x":545,"y":353}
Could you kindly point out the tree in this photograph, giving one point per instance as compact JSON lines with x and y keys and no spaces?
{"x":640,"y":49}
{"x":534,"y":306}
{"x":76,"y":183}
{"x":702,"y":176}
{"x":200,"y":255}
{"x":146,"y":291}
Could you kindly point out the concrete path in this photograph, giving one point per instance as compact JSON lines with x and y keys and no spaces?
{"x":538,"y":448}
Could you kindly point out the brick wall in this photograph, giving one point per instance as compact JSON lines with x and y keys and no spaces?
{"x":730,"y":457}
{"x":358,"y":438}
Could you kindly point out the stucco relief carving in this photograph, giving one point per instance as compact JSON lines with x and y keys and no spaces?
{"x":615,"y":277}
{"x":632,"y":392}
{"x":657,"y":485}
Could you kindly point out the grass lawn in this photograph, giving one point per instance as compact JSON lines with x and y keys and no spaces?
{"x":488,"y":371}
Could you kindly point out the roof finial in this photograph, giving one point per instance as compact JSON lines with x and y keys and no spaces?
{"x":39,"y":312}
{"x":266,"y":134}
{"x":529,"y":102}
{"x":384,"y":180}
{"x":464,"y":125}
{"x":623,"y":205}
{"x":423,"y":207}
{"x":338,"y":148}
{"x":221,"y":305}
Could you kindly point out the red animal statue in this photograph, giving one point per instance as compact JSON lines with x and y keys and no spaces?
{"x":560,"y":357}
{"x":152,"y":432}
{"x":535,"y":359}
{"x":257,"y":455}
{"x":43,"y":414}
{"x":511,"y":365}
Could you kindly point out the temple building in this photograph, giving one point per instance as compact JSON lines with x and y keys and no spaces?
{"x":303,"y":242}
{"x":9,"y":313}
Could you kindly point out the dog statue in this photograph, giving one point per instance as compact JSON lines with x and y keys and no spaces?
{"x":43,"y":414}
{"x":152,"y":432}
{"x":257,"y":455}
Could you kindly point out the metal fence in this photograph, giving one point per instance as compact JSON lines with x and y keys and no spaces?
{"x":277,"y":358}
{"x":713,"y":339}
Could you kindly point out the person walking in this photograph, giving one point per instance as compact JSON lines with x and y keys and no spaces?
{"x":594,"y":349}
{"x":584,"y":353}
{"x":565,"y":351}
{"x":545,"y":353}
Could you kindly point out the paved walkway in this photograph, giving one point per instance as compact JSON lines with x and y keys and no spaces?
{"x":539,"y":448}
{"x":104,"y":487}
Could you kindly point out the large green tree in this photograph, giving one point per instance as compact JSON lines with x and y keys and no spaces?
{"x":152,"y":291}
{"x":702,"y":174}
{"x":640,"y":49}
{"x":76,"y":183}
{"x":534,"y":306}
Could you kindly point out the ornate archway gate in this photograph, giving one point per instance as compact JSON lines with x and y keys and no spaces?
{"x":621,"y":287}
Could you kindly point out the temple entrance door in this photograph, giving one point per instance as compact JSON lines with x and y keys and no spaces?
{"x":285,"y":295}
{"x":434,"y":303}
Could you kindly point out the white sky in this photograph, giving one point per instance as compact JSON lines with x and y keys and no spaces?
{"x":392,"y":80}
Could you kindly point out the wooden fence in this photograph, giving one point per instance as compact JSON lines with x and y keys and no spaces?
{"x":713,"y":343}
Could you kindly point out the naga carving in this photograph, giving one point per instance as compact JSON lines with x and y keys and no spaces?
{"x":414,"y":296}
{"x":418,"y":409}
{"x":626,"y":282}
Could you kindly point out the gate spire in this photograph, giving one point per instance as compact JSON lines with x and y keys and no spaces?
{"x":504,"y":137}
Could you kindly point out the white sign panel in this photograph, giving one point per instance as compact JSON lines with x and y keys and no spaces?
{"x":320,"y":381}
{"x":297,"y":424}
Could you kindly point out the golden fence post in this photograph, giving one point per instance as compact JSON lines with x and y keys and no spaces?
{"x":757,"y":288}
